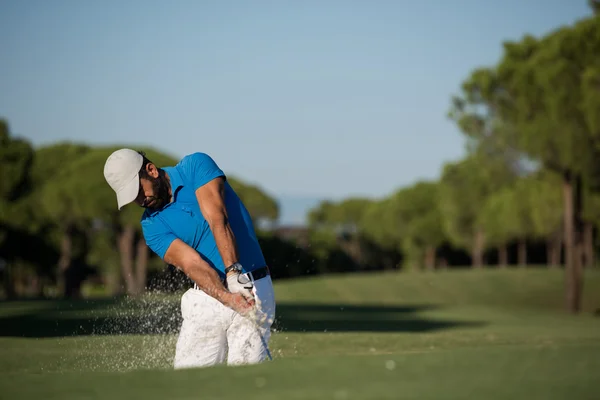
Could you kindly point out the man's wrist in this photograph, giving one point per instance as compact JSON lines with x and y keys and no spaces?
{"x":224,"y":297}
{"x":233,"y":269}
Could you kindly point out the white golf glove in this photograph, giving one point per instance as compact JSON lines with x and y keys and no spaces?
{"x":239,"y":283}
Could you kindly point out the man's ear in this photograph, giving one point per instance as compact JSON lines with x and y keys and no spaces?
{"x":152,"y":170}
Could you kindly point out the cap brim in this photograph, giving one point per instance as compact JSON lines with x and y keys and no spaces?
{"x":129,"y":192}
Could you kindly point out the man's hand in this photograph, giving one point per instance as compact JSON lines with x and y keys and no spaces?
{"x":182,"y":256}
{"x":189,"y":261}
{"x":239,"y":303}
{"x":238,"y":283}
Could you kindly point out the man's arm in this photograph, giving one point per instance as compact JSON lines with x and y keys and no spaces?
{"x":189,"y":261}
{"x":211,"y":198}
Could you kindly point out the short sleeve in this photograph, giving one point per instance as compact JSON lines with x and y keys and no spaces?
{"x":158,"y":237}
{"x":200,"y":169}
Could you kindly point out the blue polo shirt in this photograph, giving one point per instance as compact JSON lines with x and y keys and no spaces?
{"x":183,"y":219}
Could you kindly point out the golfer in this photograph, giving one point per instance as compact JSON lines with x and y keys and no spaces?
{"x":195,"y":221}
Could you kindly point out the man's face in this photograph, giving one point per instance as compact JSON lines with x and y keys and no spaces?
{"x":154,"y":190}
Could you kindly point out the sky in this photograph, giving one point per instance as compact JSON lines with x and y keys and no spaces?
{"x":306,"y":99}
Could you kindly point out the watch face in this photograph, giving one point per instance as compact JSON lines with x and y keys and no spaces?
{"x":235,"y":267}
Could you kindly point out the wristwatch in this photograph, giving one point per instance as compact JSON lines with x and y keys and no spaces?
{"x":234,"y":267}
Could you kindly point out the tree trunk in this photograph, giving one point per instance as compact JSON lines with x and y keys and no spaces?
{"x":580,"y":251}
{"x":430,"y":258}
{"x":35,"y":286}
{"x":578,"y":238}
{"x":503,"y":256}
{"x":553,"y":249}
{"x":65,"y":261}
{"x":478,"y":243}
{"x":113,"y":281}
{"x":125,"y":244}
{"x":443,"y":263}
{"x":522,"y":253}
{"x":573,"y":276}
{"x":356,"y":250}
{"x":9,"y":283}
{"x":588,"y":245}
{"x":141,"y":265}
{"x":40,"y":289}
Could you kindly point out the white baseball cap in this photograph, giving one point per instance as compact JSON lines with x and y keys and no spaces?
{"x":121,"y":171}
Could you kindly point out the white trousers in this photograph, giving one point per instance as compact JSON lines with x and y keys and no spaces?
{"x":212,"y":333}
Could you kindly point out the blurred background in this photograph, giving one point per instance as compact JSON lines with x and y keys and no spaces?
{"x":362,"y":136}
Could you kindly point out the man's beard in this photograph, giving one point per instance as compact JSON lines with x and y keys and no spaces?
{"x":161,"y":197}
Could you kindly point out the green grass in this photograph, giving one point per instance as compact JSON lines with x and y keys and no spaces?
{"x":447,"y":335}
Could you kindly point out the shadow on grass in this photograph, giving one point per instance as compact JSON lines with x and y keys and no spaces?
{"x":108,"y":317}
{"x":360,"y":318}
{"x":50,"y":318}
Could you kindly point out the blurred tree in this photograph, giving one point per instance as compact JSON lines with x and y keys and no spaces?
{"x":541,"y":82}
{"x":591,"y":222}
{"x":493,"y":156}
{"x":546,"y":207}
{"x":507,"y":217}
{"x":263,"y":208}
{"x":500,"y":222}
{"x":50,"y":160}
{"x":522,"y":220}
{"x":477,"y":115}
{"x":66,"y":234}
{"x":541,"y":101}
{"x":381,"y":226}
{"x":464,"y":188}
{"x":590,"y":106}
{"x":341,"y":220}
{"x":286,"y":258}
{"x":343,"y":216}
{"x":16,"y":156}
{"x":417,"y":207}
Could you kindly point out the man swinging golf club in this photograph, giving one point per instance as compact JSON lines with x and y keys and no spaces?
{"x":194,"y":220}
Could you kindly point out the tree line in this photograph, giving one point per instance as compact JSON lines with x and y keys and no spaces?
{"x":530,"y":177}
